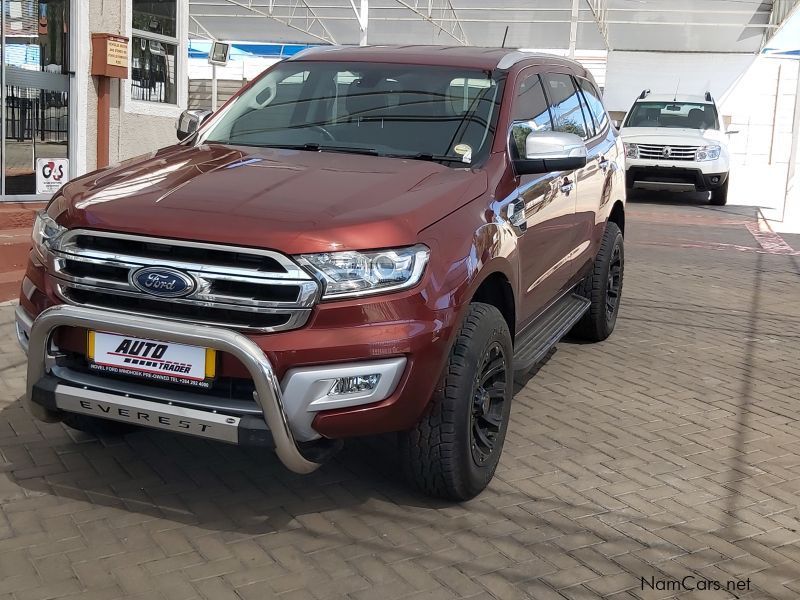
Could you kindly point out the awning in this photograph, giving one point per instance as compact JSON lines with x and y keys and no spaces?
{"x":740,"y":26}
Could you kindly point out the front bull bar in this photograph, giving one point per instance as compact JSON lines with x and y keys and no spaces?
{"x":267,"y":395}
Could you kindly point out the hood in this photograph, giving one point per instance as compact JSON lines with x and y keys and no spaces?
{"x":287,"y":200}
{"x":674,"y":136}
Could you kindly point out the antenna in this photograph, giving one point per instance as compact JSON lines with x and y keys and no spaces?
{"x":675,"y":97}
{"x":505,"y":35}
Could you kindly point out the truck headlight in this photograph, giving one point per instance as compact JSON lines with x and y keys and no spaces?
{"x":350,"y":274}
{"x":707,"y":153}
{"x":45,"y":232}
{"x":631,"y":150}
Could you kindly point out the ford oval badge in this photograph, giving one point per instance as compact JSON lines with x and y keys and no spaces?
{"x":163,"y":282}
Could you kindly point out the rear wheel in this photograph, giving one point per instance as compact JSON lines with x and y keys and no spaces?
{"x":454,"y":450}
{"x":603,"y":287}
{"x":719,"y":196}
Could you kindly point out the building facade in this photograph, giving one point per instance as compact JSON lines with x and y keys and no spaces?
{"x":49,"y":99}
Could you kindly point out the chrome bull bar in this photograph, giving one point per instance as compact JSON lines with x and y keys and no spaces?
{"x":267,"y":395}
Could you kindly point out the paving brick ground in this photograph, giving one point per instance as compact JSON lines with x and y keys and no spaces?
{"x":671,"y":450}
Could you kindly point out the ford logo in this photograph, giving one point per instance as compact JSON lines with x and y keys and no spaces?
{"x":162,"y":281}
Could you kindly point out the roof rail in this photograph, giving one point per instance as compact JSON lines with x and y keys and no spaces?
{"x":708,"y":97}
{"x":643,"y":94}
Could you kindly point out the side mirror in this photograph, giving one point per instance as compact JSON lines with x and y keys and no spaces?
{"x":546,"y":151}
{"x":189,"y":122}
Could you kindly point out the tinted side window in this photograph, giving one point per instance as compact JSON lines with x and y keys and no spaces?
{"x":530,"y":105}
{"x":565,"y":105}
{"x":591,"y":130}
{"x":595,"y":104}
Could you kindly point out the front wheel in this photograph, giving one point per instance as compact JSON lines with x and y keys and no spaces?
{"x":453,"y":451}
{"x":719,"y":196}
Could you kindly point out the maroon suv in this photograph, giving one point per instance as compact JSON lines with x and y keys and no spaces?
{"x":363,"y":240}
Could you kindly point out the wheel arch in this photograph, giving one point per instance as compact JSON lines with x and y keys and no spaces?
{"x":617,"y":215}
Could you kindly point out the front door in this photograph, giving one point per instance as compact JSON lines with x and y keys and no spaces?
{"x":35,"y":97}
{"x":549,"y":204}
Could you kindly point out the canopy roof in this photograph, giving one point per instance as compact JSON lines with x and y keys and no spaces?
{"x":652,"y":25}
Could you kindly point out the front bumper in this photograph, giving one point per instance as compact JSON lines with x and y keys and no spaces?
{"x":672,"y":178}
{"x":53,"y":390}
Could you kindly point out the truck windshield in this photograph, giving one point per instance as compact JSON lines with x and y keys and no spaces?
{"x":421,"y":112}
{"x":689,"y":115}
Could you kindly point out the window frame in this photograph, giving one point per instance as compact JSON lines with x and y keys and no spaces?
{"x":598,"y":131}
{"x":571,"y":76}
{"x":160,"y":109}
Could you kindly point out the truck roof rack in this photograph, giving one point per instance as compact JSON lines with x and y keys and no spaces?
{"x":643,"y":94}
{"x":708,"y":97}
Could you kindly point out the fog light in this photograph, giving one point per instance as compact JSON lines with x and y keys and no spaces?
{"x":715,"y":180}
{"x":352,"y":385}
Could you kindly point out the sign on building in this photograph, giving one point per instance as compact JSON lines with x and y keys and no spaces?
{"x":51,"y":174}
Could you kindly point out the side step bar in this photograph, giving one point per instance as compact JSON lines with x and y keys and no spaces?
{"x":533,"y":344}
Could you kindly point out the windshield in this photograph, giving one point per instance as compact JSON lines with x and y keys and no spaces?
{"x":689,"y":115}
{"x":426,"y":112}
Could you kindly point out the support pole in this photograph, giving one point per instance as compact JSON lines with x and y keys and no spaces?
{"x":573,"y":28}
{"x":103,"y":119}
{"x":213,"y":87}
{"x":363,"y":21}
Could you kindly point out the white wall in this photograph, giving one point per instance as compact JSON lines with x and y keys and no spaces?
{"x":628,"y":73}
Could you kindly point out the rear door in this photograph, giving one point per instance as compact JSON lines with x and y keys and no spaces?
{"x":596,"y":179}
{"x":549,"y":205}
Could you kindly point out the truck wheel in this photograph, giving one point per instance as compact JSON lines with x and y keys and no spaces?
{"x":453,"y":451}
{"x":96,"y":426}
{"x":719,"y":196}
{"x":603,"y":287}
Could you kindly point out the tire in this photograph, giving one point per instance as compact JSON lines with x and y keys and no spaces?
{"x":95,"y":426}
{"x":452,"y":453}
{"x":607,"y":274}
{"x":719,"y":196}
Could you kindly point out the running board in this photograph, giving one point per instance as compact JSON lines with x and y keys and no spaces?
{"x":533,"y":344}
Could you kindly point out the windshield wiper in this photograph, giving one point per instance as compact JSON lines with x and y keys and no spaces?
{"x":427,"y":156}
{"x":310,"y":147}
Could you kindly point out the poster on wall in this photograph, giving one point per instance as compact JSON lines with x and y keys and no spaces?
{"x":51,"y":174}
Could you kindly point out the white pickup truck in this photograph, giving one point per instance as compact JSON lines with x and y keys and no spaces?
{"x":676,"y":143}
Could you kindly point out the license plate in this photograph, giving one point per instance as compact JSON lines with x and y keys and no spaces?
{"x":151,"y":359}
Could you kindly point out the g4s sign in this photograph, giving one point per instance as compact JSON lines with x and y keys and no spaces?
{"x":51,"y":174}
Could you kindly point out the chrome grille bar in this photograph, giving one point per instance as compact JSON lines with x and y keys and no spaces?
{"x":228,"y":292}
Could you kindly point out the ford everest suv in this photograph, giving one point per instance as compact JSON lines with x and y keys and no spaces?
{"x":676,"y":143}
{"x":362,"y":241}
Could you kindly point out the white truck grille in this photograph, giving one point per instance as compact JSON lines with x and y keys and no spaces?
{"x":666,"y":152}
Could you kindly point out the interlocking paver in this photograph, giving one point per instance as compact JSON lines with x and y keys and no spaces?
{"x":671,"y":449}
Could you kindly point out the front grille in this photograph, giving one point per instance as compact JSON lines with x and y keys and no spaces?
{"x":241,"y":288}
{"x":656,"y":152}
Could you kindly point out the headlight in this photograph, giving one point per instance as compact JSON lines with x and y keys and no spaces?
{"x":707,"y":153}
{"x":349,"y":274}
{"x":45,"y":232}
{"x":631,"y":150}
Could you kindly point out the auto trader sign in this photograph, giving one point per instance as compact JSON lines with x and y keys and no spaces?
{"x":51,"y":174}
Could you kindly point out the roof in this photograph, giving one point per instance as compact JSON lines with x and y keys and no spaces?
{"x":452,"y":56}
{"x":674,"y":98}
{"x":649,"y":25}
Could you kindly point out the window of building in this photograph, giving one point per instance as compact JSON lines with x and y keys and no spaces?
{"x":154,"y":51}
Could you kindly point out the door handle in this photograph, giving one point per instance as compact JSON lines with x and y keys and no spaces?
{"x":566,"y":186}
